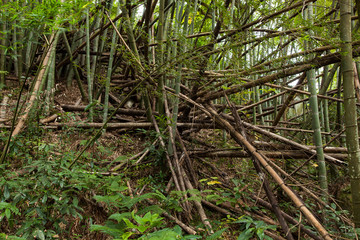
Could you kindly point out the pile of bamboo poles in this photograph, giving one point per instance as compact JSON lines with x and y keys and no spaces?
{"x":169,"y":71}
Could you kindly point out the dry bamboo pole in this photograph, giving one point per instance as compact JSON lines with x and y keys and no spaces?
{"x":294,"y":129}
{"x":177,"y":221}
{"x":34,"y":93}
{"x":275,"y":154}
{"x":306,"y":190}
{"x":287,"y":217}
{"x":172,"y":151}
{"x":287,"y":101}
{"x":314,"y":63}
{"x":292,"y":143}
{"x":171,"y":167}
{"x":306,"y":93}
{"x":292,"y":33}
{"x":3,"y":107}
{"x":133,"y":112}
{"x":197,"y":204}
{"x":188,"y":160}
{"x":242,"y":141}
{"x":268,"y":190}
{"x":126,"y":125}
{"x":50,"y":84}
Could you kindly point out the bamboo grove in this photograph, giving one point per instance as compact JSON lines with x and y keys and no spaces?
{"x":278,"y":79}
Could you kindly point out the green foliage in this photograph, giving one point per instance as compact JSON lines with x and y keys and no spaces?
{"x":252,"y":228}
{"x":131,"y":223}
{"x":126,"y":202}
{"x":216,"y":235}
{"x":6,"y":209}
{"x":3,"y":236}
{"x":335,"y":223}
{"x":43,"y":196}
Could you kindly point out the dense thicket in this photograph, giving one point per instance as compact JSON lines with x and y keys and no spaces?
{"x":276,"y":83}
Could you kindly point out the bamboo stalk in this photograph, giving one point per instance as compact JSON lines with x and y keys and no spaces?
{"x":90,"y":79}
{"x":297,"y":201}
{"x":34,"y":93}
{"x":2,"y":55}
{"x":109,"y":73}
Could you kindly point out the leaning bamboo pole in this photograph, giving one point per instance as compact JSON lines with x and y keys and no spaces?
{"x":253,"y":151}
{"x":36,"y":88}
{"x":210,"y":112}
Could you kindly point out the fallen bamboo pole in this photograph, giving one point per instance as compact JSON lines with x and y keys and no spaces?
{"x":253,"y":151}
{"x":287,"y":217}
{"x":124,"y":125}
{"x":287,"y":154}
{"x":133,"y":112}
{"x":292,"y":143}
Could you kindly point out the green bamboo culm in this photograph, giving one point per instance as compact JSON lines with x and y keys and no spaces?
{"x":351,"y":128}
{"x":311,"y":77}
{"x":49,"y":94}
{"x":108,"y":75}
{"x":2,"y":54}
{"x":74,"y":68}
{"x":160,"y":54}
{"x":178,"y":76}
{"x":88,"y":66}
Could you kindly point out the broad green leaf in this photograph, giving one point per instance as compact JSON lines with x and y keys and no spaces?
{"x":120,"y":216}
{"x":247,"y":234}
{"x":128,"y":223}
{"x":7,"y":213}
{"x":216,"y":235}
{"x":6,"y":192}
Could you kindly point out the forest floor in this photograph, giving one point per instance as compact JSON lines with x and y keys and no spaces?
{"x":124,"y":175}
